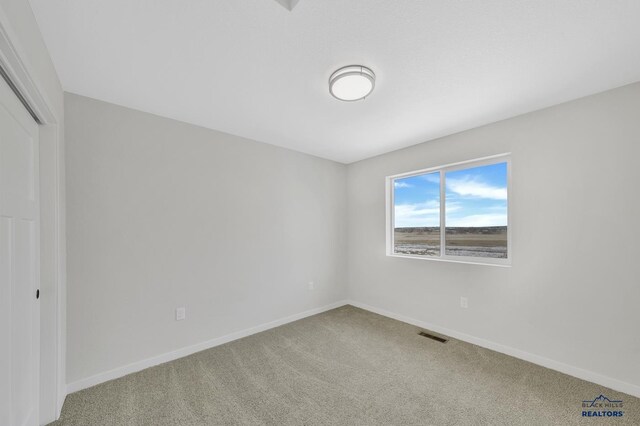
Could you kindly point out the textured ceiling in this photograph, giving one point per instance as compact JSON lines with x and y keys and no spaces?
{"x":255,"y":69}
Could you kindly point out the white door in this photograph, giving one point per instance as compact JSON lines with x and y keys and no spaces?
{"x":19,"y":263}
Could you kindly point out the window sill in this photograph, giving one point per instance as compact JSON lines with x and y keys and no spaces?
{"x":501,"y":263}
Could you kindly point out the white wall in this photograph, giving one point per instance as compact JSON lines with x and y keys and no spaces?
{"x":573,"y":292}
{"x":164,"y":214}
{"x":19,"y":23}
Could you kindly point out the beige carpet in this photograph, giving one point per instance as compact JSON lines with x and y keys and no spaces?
{"x":343,"y":367}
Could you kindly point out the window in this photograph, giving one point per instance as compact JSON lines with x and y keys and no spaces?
{"x":457,"y":212}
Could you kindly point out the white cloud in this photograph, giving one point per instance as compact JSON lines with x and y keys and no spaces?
{"x":491,"y":219}
{"x":420,"y":214}
{"x":473,"y":188}
{"x":402,"y":185}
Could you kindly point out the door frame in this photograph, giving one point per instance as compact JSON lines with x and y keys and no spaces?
{"x":19,"y":74}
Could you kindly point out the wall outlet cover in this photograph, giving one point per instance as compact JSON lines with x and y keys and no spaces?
{"x":181,"y":314}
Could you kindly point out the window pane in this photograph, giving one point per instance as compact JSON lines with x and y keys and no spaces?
{"x":476,"y":211}
{"x":417,"y":215}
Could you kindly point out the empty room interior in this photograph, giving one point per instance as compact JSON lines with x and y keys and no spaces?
{"x":303,"y":212}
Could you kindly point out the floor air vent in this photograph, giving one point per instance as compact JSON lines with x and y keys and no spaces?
{"x":433,"y":337}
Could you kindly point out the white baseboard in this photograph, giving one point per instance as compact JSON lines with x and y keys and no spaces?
{"x":179,"y":353}
{"x":580,"y":373}
{"x":62,"y":395}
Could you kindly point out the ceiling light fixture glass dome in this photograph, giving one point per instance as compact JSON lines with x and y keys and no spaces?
{"x":352,"y":83}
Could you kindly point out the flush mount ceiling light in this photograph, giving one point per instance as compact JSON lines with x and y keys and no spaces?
{"x":352,"y":83}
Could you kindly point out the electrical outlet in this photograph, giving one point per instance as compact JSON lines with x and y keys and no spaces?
{"x":464,"y":302}
{"x":312,"y":285}
{"x":181,"y":314}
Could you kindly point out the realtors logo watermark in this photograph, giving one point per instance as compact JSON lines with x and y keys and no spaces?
{"x":602,"y":406}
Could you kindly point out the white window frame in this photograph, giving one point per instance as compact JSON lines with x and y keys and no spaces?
{"x":443,"y":257}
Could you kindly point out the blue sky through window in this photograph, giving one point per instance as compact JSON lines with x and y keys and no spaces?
{"x":476,"y":197}
{"x":417,"y":201}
